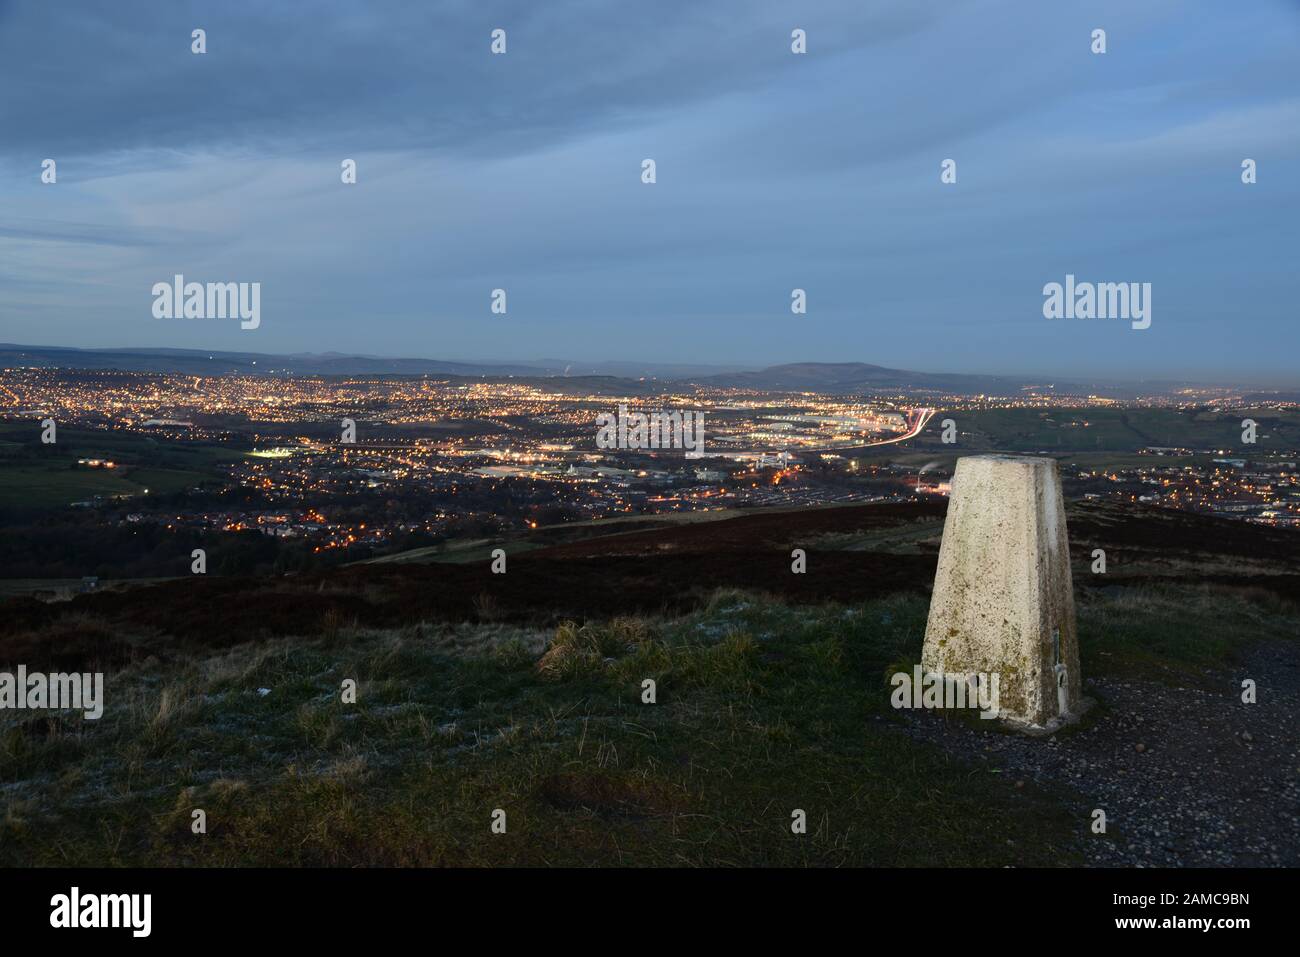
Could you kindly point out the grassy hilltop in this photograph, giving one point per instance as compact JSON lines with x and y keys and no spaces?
{"x":766,"y":702}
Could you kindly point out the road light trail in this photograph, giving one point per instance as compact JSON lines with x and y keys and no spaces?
{"x":923,"y":416}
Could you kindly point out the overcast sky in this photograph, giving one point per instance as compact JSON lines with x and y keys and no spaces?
{"x":522,"y":171}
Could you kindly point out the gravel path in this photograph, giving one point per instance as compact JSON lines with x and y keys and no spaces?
{"x":1187,"y":777}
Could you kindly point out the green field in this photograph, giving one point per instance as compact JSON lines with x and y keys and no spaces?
{"x":1111,"y":436}
{"x":34,"y":485}
{"x":41,"y":476}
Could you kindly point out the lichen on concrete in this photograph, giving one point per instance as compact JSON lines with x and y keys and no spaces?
{"x":1003,"y":597}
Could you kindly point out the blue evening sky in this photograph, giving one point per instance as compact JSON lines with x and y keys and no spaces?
{"x":523,"y":171}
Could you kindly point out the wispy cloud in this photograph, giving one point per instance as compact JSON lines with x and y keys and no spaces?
{"x":522,"y":171}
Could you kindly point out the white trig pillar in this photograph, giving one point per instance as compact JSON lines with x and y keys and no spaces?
{"x":1003,"y":602}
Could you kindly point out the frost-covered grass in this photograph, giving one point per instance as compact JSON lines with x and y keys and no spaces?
{"x":761,"y":709}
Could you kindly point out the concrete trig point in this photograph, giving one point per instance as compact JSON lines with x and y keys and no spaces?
{"x":1003,"y":600}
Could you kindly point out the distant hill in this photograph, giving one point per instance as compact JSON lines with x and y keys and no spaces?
{"x":203,"y":362}
{"x":860,"y":376}
{"x":826,"y":377}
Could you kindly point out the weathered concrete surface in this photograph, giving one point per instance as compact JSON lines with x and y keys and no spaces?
{"x":1003,"y":600}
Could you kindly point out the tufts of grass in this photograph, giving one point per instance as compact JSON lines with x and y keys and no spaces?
{"x":759,"y":709}
{"x":1176,"y":633}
